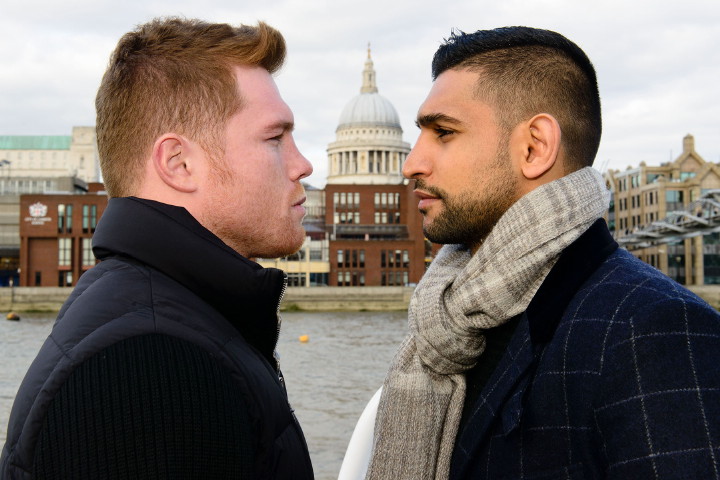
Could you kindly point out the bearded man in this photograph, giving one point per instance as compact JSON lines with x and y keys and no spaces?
{"x":537,"y":348}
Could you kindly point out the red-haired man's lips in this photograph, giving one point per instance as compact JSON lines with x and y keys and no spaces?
{"x":298,"y":206}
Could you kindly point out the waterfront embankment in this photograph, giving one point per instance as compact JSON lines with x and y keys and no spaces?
{"x":314,"y":299}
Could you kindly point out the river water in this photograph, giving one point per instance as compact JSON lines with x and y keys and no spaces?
{"x":329,"y":378}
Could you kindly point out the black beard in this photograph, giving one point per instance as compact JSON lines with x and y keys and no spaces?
{"x":466,"y":219}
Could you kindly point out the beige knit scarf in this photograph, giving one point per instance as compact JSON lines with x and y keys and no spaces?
{"x":458,"y":298}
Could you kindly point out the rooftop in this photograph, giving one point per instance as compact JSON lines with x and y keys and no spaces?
{"x":35,"y":142}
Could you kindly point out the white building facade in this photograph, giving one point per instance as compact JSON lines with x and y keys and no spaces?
{"x":28,"y":156}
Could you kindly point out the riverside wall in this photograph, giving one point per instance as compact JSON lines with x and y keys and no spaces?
{"x":50,"y":299}
{"x":317,"y":299}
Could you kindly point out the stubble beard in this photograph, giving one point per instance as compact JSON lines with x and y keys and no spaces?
{"x":467,"y":218}
{"x":264,"y":238}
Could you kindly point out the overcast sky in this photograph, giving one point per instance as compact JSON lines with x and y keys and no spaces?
{"x":658,"y":61}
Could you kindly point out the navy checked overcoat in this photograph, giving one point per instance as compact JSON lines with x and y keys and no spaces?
{"x":613,"y":372}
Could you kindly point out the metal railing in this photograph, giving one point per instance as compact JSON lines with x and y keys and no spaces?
{"x":701,"y":217}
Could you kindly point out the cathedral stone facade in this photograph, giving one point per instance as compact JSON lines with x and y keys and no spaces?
{"x":369,"y":148}
{"x":375,"y":228}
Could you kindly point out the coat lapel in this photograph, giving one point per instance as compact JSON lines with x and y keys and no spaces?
{"x":503,"y":389}
{"x":501,"y":400}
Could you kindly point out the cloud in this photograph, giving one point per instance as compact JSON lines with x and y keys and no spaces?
{"x":657,"y":61}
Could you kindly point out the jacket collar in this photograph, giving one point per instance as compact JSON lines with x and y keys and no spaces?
{"x":170,"y":240}
{"x":503,"y":394}
{"x":577,"y":262}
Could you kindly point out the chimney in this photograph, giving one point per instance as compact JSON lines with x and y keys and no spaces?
{"x":688,"y":143}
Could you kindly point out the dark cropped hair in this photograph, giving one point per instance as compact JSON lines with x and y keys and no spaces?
{"x":526,"y":71}
{"x":174,"y":75}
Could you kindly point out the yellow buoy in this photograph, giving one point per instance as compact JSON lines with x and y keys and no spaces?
{"x":12,"y":316}
{"x":304,"y":338}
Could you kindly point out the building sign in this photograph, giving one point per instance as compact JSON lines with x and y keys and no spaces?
{"x":38,"y":214}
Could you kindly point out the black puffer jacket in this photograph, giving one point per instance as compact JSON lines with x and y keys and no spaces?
{"x":160,"y":364}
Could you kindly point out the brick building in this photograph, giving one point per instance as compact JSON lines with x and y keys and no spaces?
{"x":376,"y":236}
{"x":39,"y":164}
{"x":56,"y":236}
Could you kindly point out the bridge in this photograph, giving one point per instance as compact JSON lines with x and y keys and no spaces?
{"x":700,"y":217}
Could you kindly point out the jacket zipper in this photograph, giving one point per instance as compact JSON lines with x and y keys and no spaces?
{"x":277,"y":331}
{"x":279,"y":371}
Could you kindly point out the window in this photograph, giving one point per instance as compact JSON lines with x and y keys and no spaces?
{"x":296,"y":280}
{"x":61,"y":218}
{"x":345,"y":278}
{"x":65,"y":278}
{"x":318,"y":279}
{"x":65,"y":218}
{"x":394,"y":278}
{"x":68,"y":218}
{"x":387,"y":207}
{"x":88,"y":259}
{"x":89,"y":218}
{"x":346,"y":207}
{"x":673,"y":196}
{"x":64,"y":252}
